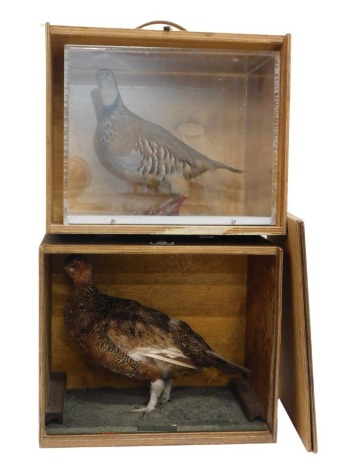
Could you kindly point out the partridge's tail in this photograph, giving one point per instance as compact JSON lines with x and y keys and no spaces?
{"x":225,"y":366}
{"x":209,"y":164}
{"x":230,"y":168}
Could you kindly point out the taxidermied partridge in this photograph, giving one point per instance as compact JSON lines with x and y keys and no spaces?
{"x":141,"y":152}
{"x":133,"y":340}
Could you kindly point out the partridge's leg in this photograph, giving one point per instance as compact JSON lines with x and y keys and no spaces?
{"x":157,"y":388}
{"x":170,"y":208}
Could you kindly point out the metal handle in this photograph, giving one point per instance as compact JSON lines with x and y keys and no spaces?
{"x":167,"y":25}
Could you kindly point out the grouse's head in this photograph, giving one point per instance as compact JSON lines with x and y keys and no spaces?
{"x":108,"y":86}
{"x":79,"y":269}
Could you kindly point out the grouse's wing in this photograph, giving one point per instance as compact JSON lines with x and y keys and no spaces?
{"x":144,"y":333}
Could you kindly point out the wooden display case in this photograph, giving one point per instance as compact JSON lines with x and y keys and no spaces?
{"x":220,"y":92}
{"x":241,"y":285}
{"x":229,"y":291}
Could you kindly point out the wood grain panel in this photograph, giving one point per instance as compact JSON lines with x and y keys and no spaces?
{"x":263,"y":330}
{"x":297,"y":384}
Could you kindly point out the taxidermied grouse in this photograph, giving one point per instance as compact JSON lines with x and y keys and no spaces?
{"x":141,"y":152}
{"x":133,"y":340}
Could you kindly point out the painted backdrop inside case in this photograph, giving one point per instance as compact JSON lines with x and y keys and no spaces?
{"x":170,"y":136}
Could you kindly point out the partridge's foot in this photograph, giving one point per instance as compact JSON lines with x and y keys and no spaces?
{"x":171,"y":208}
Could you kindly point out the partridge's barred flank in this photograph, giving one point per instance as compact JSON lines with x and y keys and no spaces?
{"x":141,"y":152}
{"x":130,"y":339}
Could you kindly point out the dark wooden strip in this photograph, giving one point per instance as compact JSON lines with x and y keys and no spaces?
{"x":248,"y":399}
{"x":55,"y":406}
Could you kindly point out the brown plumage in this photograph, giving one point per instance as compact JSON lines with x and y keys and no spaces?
{"x":133,"y":340}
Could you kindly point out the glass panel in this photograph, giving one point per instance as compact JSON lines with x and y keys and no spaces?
{"x":170,"y":136}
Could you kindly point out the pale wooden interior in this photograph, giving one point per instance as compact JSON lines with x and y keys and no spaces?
{"x":59,"y":36}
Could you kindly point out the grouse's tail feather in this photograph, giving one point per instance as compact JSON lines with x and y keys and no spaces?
{"x":226,"y":366}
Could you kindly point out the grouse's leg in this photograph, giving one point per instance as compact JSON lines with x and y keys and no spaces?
{"x":157,"y":388}
{"x":166,"y":393}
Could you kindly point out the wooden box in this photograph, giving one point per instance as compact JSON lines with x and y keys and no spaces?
{"x":230,"y":292}
{"x":224,"y":95}
{"x":246,"y":295}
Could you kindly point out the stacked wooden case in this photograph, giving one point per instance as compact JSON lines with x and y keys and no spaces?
{"x":241,"y":285}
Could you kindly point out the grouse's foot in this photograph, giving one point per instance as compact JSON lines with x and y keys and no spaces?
{"x":157,"y":388}
{"x":142,"y":409}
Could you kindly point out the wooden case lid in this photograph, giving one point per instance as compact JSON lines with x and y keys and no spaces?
{"x":296,"y":389}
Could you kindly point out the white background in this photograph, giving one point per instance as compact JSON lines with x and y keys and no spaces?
{"x":320,"y":192}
